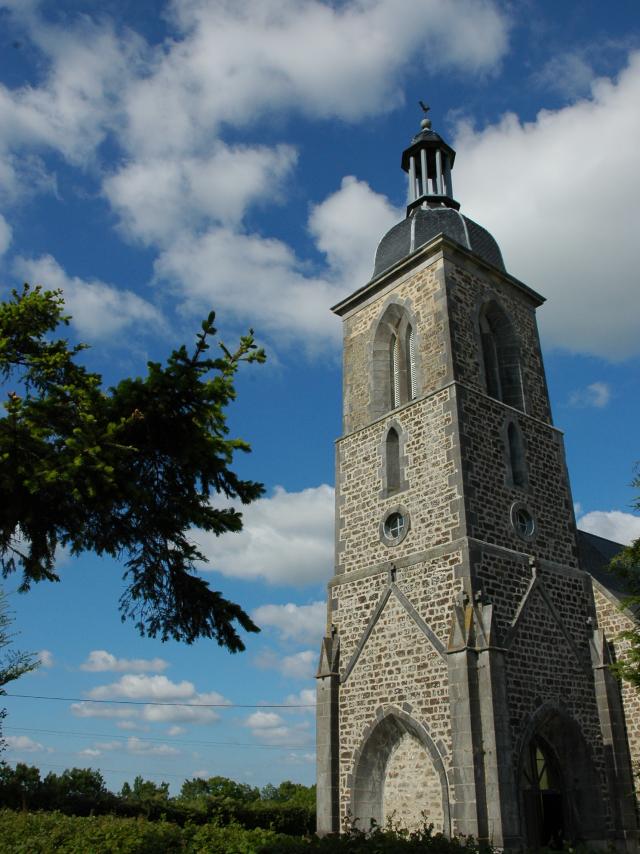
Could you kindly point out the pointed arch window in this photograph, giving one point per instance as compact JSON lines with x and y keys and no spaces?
{"x":517,"y":459}
{"x":395,"y":361}
{"x":501,"y":356}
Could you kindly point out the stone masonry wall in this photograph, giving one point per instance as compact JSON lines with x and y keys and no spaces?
{"x":429,"y":497}
{"x":421,"y":293}
{"x":489,"y":493}
{"x":467,"y":289}
{"x":398,"y":665}
{"x":412,"y":788}
{"x":614,"y":621}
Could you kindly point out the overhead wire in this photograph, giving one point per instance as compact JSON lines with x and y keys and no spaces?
{"x":165,"y":703}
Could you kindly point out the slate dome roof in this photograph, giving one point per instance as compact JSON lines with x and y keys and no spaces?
{"x":426,"y":223}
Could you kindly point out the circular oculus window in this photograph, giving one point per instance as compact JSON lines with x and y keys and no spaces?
{"x":394,"y":527}
{"x":523,"y":521}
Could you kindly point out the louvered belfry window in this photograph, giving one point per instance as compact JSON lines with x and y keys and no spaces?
{"x":395,"y":372}
{"x":410,"y":353}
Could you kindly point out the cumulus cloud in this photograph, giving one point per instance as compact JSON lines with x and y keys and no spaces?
{"x":306,"y":698}
{"x":46,"y":659}
{"x":99,"y":660}
{"x":543,"y":189}
{"x":286,"y":539}
{"x":249,"y":276}
{"x":301,"y":623}
{"x":596,"y":394}
{"x":246,"y":274}
{"x":271,"y":728}
{"x":24,"y":744}
{"x":197,"y":707}
{"x":157,"y":198}
{"x":99,"y":310}
{"x":93,"y":710}
{"x":91,"y":752}
{"x":133,"y":745}
{"x":298,"y":665}
{"x":6,"y":234}
{"x":298,"y":54}
{"x":134,"y":687}
{"x":347,"y":226}
{"x":612,"y":525}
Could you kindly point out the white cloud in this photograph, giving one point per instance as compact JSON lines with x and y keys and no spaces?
{"x":94,"y":710}
{"x":347,"y":227}
{"x":249,"y":277}
{"x":24,"y":743}
{"x":99,"y":660}
{"x":562,"y":197}
{"x":99,"y":310}
{"x":139,"y":687}
{"x":46,"y":659}
{"x":261,"y":281}
{"x":159,"y":197}
{"x":568,"y":73}
{"x":145,"y":748}
{"x":136,"y":746}
{"x":176,"y":730}
{"x":6,"y":233}
{"x":302,"y":623}
{"x":596,"y":394}
{"x":298,"y":665}
{"x":185,"y":714}
{"x":159,"y":688}
{"x":90,"y":752}
{"x":612,"y":525}
{"x":270,"y":728}
{"x":314,"y":57}
{"x":306,"y":697}
{"x":87,"y":67}
{"x":286,"y":539}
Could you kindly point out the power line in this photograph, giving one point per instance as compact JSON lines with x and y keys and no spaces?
{"x":159,"y":703}
{"x":154,"y":738}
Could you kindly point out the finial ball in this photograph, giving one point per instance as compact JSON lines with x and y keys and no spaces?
{"x":425,"y":124}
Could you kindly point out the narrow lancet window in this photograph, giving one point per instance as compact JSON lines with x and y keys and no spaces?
{"x":392,"y":461}
{"x":516,"y":456}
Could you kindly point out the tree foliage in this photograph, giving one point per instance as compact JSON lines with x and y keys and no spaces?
{"x":125,"y":471}
{"x":627,"y":566}
{"x":13,"y":663}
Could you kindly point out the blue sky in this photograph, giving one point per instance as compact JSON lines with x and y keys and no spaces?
{"x":158,"y":159}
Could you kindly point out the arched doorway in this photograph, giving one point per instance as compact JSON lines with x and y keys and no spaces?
{"x":560,"y":789}
{"x":543,"y":796}
{"x":399,"y":775}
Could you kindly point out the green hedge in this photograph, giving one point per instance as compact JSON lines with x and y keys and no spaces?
{"x":43,"y":832}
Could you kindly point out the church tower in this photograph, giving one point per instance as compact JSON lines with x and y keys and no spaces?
{"x":463,"y":676}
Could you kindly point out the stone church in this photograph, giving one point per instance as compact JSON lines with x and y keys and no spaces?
{"x":464,"y":676}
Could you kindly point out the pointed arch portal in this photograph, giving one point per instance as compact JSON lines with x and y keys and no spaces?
{"x":560,"y":790}
{"x":399,"y":775}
